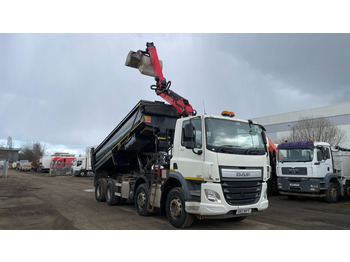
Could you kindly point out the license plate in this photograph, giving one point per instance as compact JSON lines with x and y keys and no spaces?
{"x":243,"y":211}
{"x":293,"y":184}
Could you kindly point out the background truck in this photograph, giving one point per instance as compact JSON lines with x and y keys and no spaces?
{"x":308,"y":168}
{"x":21,"y":163}
{"x":26,"y":166}
{"x":167,"y":159}
{"x":45,"y":163}
{"x":61,"y":165}
{"x":81,"y":166}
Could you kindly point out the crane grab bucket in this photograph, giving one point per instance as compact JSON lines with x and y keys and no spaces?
{"x":141,"y":62}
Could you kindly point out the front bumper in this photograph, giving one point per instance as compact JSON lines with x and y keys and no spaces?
{"x":206,"y":208}
{"x":306,"y":185}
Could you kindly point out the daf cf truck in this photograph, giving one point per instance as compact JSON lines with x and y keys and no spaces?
{"x":169,"y":160}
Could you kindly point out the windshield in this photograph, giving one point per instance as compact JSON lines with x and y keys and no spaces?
{"x":233,"y":137}
{"x":295,"y":155}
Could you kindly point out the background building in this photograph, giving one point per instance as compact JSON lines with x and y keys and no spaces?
{"x":9,"y":154}
{"x":280,"y":126}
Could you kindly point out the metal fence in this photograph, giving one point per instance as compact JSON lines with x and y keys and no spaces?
{"x":3,"y":168}
{"x":60,"y":169}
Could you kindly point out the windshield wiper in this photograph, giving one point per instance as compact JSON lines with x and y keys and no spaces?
{"x":225,"y":147}
{"x":254,"y":151}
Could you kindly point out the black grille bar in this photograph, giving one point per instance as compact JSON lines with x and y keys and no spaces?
{"x":241,"y":193}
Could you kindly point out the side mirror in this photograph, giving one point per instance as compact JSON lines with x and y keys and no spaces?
{"x":264,"y":137}
{"x":189,"y":135}
{"x":319,"y":156}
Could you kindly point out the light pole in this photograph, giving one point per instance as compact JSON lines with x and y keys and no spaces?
{"x":292,"y":131}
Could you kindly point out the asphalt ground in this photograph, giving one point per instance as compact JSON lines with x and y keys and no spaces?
{"x":51,"y":205}
{"x":37,"y":201}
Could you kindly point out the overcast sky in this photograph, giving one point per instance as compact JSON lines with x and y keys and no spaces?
{"x":71,"y":90}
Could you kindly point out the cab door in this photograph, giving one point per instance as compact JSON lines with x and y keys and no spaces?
{"x":324,"y":159}
{"x":189,"y":161}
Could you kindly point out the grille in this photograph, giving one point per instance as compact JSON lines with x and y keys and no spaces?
{"x":294,"y":170}
{"x":241,"y":192}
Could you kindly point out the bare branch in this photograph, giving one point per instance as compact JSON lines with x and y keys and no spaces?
{"x":317,"y":129}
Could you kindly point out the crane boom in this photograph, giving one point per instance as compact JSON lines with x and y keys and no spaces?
{"x":149,"y":64}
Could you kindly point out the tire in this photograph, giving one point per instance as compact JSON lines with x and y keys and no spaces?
{"x":141,"y":200}
{"x":100,"y":190}
{"x":111,"y":198}
{"x":175,"y":209}
{"x":347,"y":191}
{"x":332,"y":193}
{"x":82,"y":173}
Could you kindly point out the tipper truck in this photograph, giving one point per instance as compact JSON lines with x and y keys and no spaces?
{"x":314,"y":169}
{"x":171,"y":161}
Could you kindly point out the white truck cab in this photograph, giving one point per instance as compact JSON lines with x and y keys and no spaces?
{"x":224,"y":163}
{"x":81,"y":166}
{"x":308,"y":168}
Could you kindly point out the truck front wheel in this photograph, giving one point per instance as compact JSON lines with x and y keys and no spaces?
{"x":332,"y":193}
{"x":82,"y":173}
{"x":100,"y":190}
{"x":175,"y":209}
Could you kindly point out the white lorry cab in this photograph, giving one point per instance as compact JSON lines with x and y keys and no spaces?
{"x":81,"y":166}
{"x":315,"y":169}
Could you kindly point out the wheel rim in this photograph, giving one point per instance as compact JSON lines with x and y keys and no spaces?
{"x":141,"y":200}
{"x":347,"y":191}
{"x":333,"y":192}
{"x":175,"y":208}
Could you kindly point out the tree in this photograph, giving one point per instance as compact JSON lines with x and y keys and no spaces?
{"x":31,"y":151}
{"x":317,"y":129}
{"x":9,"y":142}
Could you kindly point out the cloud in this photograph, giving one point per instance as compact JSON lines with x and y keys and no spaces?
{"x":73,"y":89}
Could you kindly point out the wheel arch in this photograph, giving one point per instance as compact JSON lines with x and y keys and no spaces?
{"x":331,"y":177}
{"x":175,"y":180}
{"x":141,"y":180}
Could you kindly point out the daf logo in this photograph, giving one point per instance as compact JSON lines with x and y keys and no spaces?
{"x":243,"y":174}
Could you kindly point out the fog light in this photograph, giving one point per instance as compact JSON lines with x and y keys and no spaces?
{"x":212,"y":195}
{"x":314,"y":188}
{"x":279,"y":185}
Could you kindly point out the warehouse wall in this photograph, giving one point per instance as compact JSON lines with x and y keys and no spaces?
{"x":280,"y":126}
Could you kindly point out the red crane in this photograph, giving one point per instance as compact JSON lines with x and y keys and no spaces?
{"x":149,"y":64}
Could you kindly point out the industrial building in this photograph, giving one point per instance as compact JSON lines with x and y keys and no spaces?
{"x":9,"y":154}
{"x":280,"y":126}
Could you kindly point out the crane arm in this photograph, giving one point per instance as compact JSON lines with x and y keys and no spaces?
{"x":149,"y":64}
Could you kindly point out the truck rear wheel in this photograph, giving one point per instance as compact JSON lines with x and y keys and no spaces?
{"x":100,"y":190}
{"x":111,"y":198}
{"x":175,"y":209}
{"x":332,"y":193}
{"x":347,"y":191}
{"x":141,"y":200}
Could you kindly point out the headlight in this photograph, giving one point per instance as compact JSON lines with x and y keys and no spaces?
{"x":212,"y":195}
{"x":314,"y":188}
